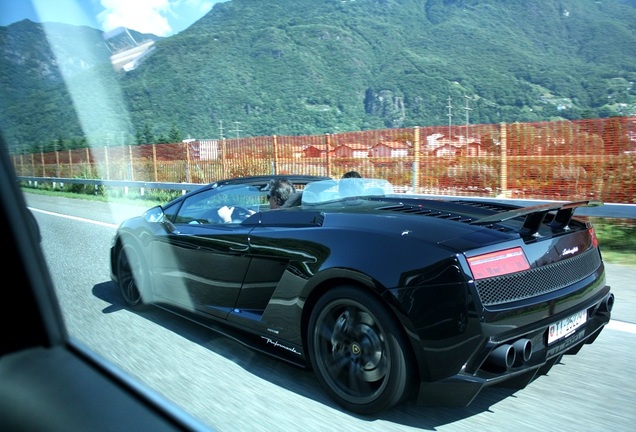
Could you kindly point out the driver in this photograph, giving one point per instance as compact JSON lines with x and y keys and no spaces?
{"x":279,"y":192}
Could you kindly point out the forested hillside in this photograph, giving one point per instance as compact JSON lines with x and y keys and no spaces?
{"x":300,"y":67}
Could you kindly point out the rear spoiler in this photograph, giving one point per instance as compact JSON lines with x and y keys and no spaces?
{"x":535,"y":215}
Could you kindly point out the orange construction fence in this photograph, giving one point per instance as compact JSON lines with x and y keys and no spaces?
{"x":564,"y":160}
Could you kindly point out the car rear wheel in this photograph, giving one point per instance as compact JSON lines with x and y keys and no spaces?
{"x":358,"y":351}
{"x":130,"y":275}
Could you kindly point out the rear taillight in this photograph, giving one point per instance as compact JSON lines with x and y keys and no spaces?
{"x":593,"y":235}
{"x":498,"y":263}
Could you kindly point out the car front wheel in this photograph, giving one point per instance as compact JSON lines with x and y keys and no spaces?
{"x":358,"y":351}
{"x":130,"y":275}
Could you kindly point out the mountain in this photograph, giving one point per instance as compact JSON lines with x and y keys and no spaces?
{"x":301,"y":67}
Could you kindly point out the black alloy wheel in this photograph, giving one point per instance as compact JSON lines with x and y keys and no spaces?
{"x":130,"y":273}
{"x":358,"y":351}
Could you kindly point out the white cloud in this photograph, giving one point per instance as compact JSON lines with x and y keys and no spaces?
{"x":149,"y":16}
{"x":160,"y":17}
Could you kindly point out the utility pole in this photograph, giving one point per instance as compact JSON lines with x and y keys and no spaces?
{"x":221,"y":129}
{"x":468,"y":109}
{"x":237,"y":130}
{"x":450,"y":117}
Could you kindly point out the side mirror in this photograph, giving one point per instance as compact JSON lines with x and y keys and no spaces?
{"x":154,"y":214}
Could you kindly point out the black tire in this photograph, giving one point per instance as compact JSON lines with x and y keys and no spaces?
{"x":358,"y":351}
{"x":131,"y":276}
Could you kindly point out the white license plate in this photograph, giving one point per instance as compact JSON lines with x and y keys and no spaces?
{"x":566,"y":327}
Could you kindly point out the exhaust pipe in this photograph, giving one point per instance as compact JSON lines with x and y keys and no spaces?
{"x":523,"y":351}
{"x":607,"y":304}
{"x":503,"y":356}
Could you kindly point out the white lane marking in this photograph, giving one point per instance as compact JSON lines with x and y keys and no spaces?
{"x":622,"y":326}
{"x":109,"y":225}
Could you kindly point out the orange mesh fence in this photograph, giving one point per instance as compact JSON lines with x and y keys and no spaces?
{"x":565,"y":160}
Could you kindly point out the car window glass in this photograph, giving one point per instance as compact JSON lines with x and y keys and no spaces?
{"x":197,"y":208}
{"x":203,"y":208}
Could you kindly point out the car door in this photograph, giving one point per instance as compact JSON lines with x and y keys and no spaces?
{"x":200,"y":264}
{"x":284,"y":254}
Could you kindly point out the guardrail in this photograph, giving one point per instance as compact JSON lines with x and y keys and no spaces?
{"x":607,"y":210}
{"x":185,"y":187}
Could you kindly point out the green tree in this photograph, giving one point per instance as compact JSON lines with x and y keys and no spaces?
{"x":145,"y":135}
{"x":175,"y":135}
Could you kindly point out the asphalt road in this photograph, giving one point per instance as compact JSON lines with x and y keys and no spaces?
{"x":232,"y":388}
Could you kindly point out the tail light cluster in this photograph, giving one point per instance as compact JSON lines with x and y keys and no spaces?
{"x":498,"y":263}
{"x":593,"y":235}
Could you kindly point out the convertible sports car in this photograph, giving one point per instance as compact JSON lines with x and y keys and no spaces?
{"x":385,"y":296}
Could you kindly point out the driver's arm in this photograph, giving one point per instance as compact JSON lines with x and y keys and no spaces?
{"x":225,"y":213}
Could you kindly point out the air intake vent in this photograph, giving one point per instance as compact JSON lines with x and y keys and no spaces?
{"x":417,"y":210}
{"x":484,"y":205}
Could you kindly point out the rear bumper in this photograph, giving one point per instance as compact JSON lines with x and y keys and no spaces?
{"x":516,"y":361}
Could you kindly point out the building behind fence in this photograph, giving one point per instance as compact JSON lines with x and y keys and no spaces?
{"x":565,"y":160}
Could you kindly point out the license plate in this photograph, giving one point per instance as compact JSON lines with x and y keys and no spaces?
{"x":566,"y":327}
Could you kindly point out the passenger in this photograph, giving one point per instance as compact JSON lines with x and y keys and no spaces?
{"x":350,"y":185}
{"x":351,"y":174}
{"x":279,"y":192}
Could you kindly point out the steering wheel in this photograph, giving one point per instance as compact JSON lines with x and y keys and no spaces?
{"x":241,"y":213}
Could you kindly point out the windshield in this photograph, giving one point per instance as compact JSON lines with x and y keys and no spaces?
{"x":331,"y":190}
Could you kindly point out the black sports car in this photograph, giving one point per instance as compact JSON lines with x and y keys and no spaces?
{"x":385,"y":296}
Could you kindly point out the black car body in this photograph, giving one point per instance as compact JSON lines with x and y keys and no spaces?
{"x":386,"y":296}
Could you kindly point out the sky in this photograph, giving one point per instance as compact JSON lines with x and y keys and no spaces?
{"x":160,"y":17}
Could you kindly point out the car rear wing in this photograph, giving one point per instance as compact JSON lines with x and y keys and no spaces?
{"x":535,"y":215}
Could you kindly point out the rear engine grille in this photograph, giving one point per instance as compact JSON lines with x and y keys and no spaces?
{"x":537,"y":281}
{"x":423,"y":211}
{"x":411,"y":209}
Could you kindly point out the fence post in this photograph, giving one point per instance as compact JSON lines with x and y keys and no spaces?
{"x":187,"y":146}
{"x":328,"y":153}
{"x":503,"y":175}
{"x":275,"y":154}
{"x":223,"y":159}
{"x":132,"y":167}
{"x":88,"y":163}
{"x":154,"y":161}
{"x":57,"y":162}
{"x":415,"y":181}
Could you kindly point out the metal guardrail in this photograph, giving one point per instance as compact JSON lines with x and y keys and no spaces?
{"x":112,"y":183}
{"x":607,"y":210}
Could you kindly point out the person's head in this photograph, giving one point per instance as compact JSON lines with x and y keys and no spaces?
{"x":279,"y":191}
{"x":351,"y":174}
{"x":350,"y":185}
